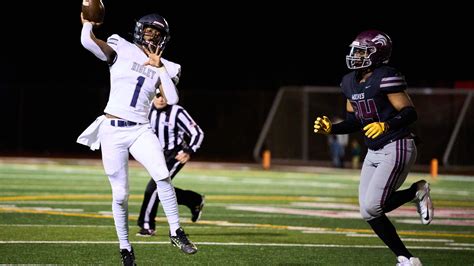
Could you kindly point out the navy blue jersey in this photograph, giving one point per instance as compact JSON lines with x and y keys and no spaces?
{"x":371,"y":104}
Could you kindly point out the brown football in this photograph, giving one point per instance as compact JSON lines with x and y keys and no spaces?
{"x":93,"y":10}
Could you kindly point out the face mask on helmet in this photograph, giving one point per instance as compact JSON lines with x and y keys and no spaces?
{"x":370,"y":48}
{"x":152,"y":38}
{"x":142,"y":29}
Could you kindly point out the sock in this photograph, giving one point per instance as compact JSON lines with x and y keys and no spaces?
{"x":120,"y":212}
{"x":168,"y":200}
{"x":398,"y":198}
{"x":387,"y":233}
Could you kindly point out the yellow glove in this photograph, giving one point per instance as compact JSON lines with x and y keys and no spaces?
{"x":322,"y":125}
{"x":375,"y":129}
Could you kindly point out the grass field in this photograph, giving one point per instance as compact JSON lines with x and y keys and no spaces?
{"x":59,"y":212}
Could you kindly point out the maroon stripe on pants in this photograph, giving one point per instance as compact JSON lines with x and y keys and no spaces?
{"x":401,"y":155}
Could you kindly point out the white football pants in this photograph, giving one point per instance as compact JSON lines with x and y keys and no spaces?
{"x":144,"y":146}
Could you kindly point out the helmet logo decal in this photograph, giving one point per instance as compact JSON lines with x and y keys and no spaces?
{"x":158,"y":23}
{"x":370,"y":48}
{"x":380,"y":39}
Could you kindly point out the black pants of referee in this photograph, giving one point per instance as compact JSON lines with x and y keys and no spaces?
{"x":150,"y":202}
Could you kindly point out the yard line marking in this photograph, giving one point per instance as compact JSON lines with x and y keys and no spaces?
{"x":51,"y":212}
{"x":50,"y":197}
{"x":211,"y":197}
{"x":462,"y":178}
{"x":324,"y":245}
{"x":231,"y":224}
{"x":235,"y":244}
{"x":438,"y":221}
{"x":91,"y":226}
{"x":462,"y":244}
{"x":57,"y":225}
{"x":405,"y":211}
{"x":45,"y":202}
{"x":217,"y":198}
{"x":404,"y":239}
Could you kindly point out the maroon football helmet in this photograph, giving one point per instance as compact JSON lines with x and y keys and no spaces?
{"x":370,"y":48}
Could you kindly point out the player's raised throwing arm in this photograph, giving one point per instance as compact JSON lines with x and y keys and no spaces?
{"x":96,"y":46}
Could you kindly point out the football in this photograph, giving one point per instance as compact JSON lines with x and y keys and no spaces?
{"x":93,"y":10}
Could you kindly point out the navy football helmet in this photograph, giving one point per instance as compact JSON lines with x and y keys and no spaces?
{"x":156,"y":21}
{"x":370,"y":48}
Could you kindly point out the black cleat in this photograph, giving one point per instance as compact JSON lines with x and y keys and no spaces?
{"x":146,"y":232}
{"x":128,"y":257}
{"x":197,"y":211}
{"x":182,"y":242}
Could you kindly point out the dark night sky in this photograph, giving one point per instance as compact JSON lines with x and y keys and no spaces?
{"x":240,"y":45}
{"x":227,"y":45}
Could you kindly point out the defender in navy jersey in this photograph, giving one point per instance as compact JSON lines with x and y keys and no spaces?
{"x":378,"y":104}
{"x":180,"y":138}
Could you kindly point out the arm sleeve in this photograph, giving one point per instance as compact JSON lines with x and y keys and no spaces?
{"x":350,"y":125}
{"x":187,"y":124}
{"x":169,"y":89}
{"x":89,"y":43}
{"x":405,"y":117}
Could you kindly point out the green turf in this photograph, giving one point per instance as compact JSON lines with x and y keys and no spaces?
{"x":60,"y":214}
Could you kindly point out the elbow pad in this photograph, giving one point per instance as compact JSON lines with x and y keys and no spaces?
{"x":89,"y":43}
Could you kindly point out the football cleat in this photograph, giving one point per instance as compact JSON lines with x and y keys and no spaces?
{"x":424,"y":204}
{"x":404,"y":261}
{"x":182,"y":242}
{"x":197,"y":211}
{"x":146,"y":232}
{"x":128,"y":257}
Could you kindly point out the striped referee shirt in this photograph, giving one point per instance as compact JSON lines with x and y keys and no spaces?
{"x":176,"y":129}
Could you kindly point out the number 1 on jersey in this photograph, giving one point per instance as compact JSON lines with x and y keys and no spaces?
{"x":138,"y":87}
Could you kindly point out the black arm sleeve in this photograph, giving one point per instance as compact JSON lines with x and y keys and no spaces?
{"x":405,"y":117}
{"x":350,"y":125}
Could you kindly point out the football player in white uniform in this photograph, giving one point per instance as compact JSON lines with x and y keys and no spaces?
{"x":137,"y":73}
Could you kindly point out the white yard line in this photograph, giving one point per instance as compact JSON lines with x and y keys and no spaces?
{"x":236,"y":244}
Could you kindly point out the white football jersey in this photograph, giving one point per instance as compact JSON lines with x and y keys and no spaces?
{"x":132,"y":85}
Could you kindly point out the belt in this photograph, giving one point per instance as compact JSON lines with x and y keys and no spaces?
{"x":122,"y":123}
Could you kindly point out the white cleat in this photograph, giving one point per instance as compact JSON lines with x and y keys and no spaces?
{"x":424,"y":204}
{"x":404,"y":261}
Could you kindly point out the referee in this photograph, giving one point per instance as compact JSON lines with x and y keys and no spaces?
{"x":180,"y":137}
